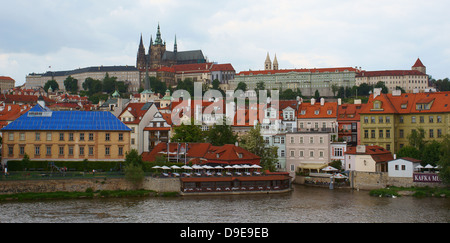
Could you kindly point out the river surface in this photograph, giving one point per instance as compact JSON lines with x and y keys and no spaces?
{"x":303,"y":205}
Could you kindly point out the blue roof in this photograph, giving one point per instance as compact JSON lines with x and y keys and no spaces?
{"x":43,"y":119}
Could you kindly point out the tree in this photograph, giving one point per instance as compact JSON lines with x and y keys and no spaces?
{"x":221,"y":134}
{"x":416,"y":138}
{"x":188,"y":134}
{"x":444,"y":161}
{"x":431,"y":153}
{"x":409,"y":151}
{"x":364,"y":89}
{"x":254,"y":143}
{"x":317,"y":95}
{"x":242,"y":86}
{"x":133,"y":168}
{"x":383,"y":87}
{"x":71,"y":85}
{"x":334,"y":89}
{"x":109,"y":84}
{"x":92,"y":86}
{"x":51,"y":83}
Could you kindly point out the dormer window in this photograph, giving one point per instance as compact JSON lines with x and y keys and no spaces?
{"x":303,"y":112}
{"x":316,"y":112}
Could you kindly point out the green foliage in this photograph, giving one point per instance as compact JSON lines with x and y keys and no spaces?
{"x":188,"y":134}
{"x":71,"y":85}
{"x":409,"y":151}
{"x":222,"y":134}
{"x":241,"y":86}
{"x":254,"y":143}
{"x":51,"y":83}
{"x":289,"y":94}
{"x":133,"y":168}
{"x":444,"y":161}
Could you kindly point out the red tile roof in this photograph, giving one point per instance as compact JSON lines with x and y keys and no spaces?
{"x":205,"y":153}
{"x":389,"y":73}
{"x":303,"y":70}
{"x":136,"y":110}
{"x":379,"y":154}
{"x":406,"y":103}
{"x":418,"y":63}
{"x":323,"y":110}
{"x":6,"y":78}
{"x":349,"y":112}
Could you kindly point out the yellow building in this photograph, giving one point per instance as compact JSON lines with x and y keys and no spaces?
{"x":43,"y":134}
{"x":388,"y":119}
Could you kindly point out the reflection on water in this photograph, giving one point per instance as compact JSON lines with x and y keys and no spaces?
{"x":303,"y":205}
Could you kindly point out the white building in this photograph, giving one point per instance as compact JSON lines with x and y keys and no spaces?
{"x":403,"y":167}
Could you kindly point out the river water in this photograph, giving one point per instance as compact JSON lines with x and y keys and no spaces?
{"x":303,"y":205}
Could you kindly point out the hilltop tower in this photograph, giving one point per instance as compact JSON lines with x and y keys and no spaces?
{"x":268,"y":63}
{"x":419,"y":66}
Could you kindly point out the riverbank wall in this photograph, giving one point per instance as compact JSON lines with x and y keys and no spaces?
{"x":372,"y":180}
{"x":81,"y":185}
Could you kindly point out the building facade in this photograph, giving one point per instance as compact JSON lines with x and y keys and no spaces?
{"x":414,"y":80}
{"x":48,"y":135}
{"x":6,"y":83}
{"x":307,"y":80}
{"x":388,"y":119}
{"x":128,"y":74}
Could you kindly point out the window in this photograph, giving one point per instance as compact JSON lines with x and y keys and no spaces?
{"x":366,"y":119}
{"x":107,"y":148}
{"x":380,"y":119}
{"x":439,"y":133}
{"x":282,"y":140}
{"x":70,"y":150}
{"x":81,"y":150}
{"x":372,"y":119}
{"x":430,"y":119}
{"x":91,"y":150}
{"x":311,"y":139}
{"x":81,"y":136}
{"x":388,"y":147}
{"x":422,"y":119}
{"x":366,"y":133}
{"x":49,"y":136}
{"x":388,"y":119}
{"x":380,"y":133}
{"x":372,"y":133}
{"x":311,"y":153}
{"x":413,"y":119}
{"x":37,"y":150}
{"x":431,"y":133}
{"x":121,"y":151}
{"x":10,"y":150}
{"x":120,"y":136}
{"x":91,"y":137}
{"x":439,"y":119}
{"x":107,"y":137}
{"x":292,"y":140}
{"x":71,"y":136}
{"x":338,"y":152}
{"x":320,"y":154}
{"x":292,"y":168}
{"x":301,"y":140}
{"x":61,"y":150}
{"x":403,"y":167}
{"x":401,"y":119}
{"x":132,"y":141}
{"x":22,"y":136}
{"x":388,"y":133}
{"x":321,"y":140}
{"x":401,"y":133}
{"x":61,"y":136}
{"x":22,"y":149}
{"x":292,"y":153}
{"x":38,"y":136}
{"x":49,"y":150}
{"x":11,"y":136}
{"x":300,"y":153}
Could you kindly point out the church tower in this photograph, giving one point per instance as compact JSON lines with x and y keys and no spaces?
{"x":419,"y":66}
{"x":157,"y":51}
{"x":268,"y":63}
{"x":275,"y":63}
{"x":141,"y":61}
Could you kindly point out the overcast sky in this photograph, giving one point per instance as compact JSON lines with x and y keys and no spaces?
{"x":373,"y":35}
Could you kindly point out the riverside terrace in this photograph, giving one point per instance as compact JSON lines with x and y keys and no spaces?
{"x":237,"y":179}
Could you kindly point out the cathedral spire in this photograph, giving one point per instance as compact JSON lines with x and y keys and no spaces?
{"x":158,"y":40}
{"x":175,"y":46}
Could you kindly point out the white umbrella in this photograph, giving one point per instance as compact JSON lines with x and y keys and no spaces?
{"x":165,"y":168}
{"x":428,"y":166}
{"x":186,"y":167}
{"x":156,"y":167}
{"x":218,"y":167}
{"x":329,"y":168}
{"x":175,"y":167}
{"x":256,"y":166}
{"x":228,"y":167}
{"x":237,"y":167}
{"x":339,"y":176}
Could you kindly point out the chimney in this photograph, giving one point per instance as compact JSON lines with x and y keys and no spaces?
{"x":361,"y":149}
{"x":322,"y":101}
{"x":396,"y":92}
{"x":41,"y":101}
{"x":339,"y":102}
{"x":376,"y":92}
{"x":313,"y":101}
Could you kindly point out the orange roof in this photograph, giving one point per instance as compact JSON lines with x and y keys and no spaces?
{"x":349,"y":112}
{"x":222,"y":67}
{"x":136,"y":110}
{"x":226,"y":154}
{"x":6,"y":78}
{"x":328,"y":110}
{"x":12,"y":112}
{"x":407,"y":103}
{"x":379,"y":154}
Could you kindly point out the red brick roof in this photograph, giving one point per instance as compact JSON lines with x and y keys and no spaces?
{"x":303,"y":70}
{"x":136,"y":110}
{"x":6,"y":78}
{"x":310,"y":110}
{"x":406,"y":103}
{"x":205,"y":153}
{"x":349,"y":112}
{"x":418,"y":63}
{"x":379,"y":154}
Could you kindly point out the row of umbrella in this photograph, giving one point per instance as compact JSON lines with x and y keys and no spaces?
{"x":428,"y":166}
{"x":335,"y":176}
{"x":207,"y":167}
